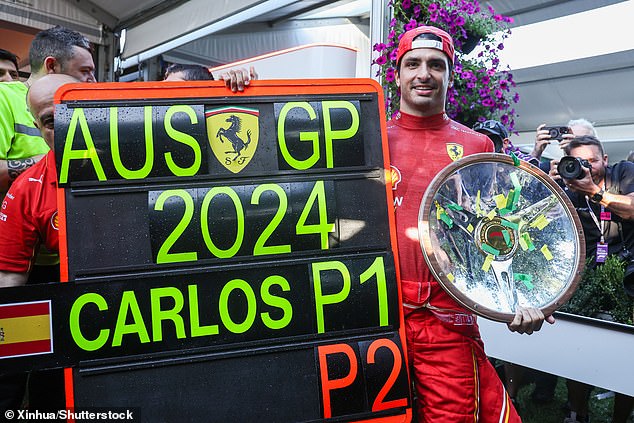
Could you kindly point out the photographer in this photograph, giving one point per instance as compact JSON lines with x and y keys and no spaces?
{"x":604,"y":198}
{"x":547,"y":134}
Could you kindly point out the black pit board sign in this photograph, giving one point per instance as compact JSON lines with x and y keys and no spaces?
{"x":231,"y":257}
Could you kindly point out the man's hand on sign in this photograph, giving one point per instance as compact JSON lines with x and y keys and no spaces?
{"x":238,"y":79}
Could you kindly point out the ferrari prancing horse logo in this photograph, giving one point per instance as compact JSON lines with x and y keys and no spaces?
{"x":454,"y":150}
{"x":233,"y":135}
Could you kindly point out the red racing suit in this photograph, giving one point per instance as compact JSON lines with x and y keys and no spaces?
{"x":454,"y":380}
{"x":28,"y":217}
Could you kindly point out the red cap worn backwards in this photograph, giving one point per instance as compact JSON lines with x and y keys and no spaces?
{"x":408,"y":42}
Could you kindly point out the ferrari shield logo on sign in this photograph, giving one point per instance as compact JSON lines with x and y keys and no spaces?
{"x":454,"y":151}
{"x":233,"y":135}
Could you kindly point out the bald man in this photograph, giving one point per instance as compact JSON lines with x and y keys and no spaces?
{"x":28,"y":217}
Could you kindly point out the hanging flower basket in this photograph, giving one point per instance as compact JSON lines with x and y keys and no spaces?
{"x":482,"y":88}
{"x":469,"y":42}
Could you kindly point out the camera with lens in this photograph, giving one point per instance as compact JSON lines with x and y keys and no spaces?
{"x":557,"y":132}
{"x":570,"y":167}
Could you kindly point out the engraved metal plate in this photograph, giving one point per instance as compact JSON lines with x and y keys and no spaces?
{"x":498,"y":233}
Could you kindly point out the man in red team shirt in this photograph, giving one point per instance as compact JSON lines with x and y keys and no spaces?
{"x":28,"y":217}
{"x":454,"y":380}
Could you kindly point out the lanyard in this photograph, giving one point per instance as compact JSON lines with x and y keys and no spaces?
{"x":596,"y":221}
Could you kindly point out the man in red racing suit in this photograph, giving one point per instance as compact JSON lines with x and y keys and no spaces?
{"x":453,"y":378}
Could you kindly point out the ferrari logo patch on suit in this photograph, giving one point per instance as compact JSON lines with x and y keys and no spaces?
{"x":454,"y":150}
{"x":233,"y":135}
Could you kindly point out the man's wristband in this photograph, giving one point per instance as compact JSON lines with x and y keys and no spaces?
{"x":596,"y":198}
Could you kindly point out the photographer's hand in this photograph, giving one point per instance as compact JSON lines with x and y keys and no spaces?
{"x":542,"y":139}
{"x":585,"y":186}
{"x":553,"y":173}
{"x":566,"y":140}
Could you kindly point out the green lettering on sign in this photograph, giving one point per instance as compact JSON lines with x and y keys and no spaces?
{"x":194,"y":315}
{"x":303,"y":136}
{"x":163,"y":255}
{"x":378,"y":268}
{"x":149,"y":145}
{"x":128,"y":302}
{"x":341,"y":134}
{"x":323,"y":228}
{"x":79,"y":118}
{"x":184,"y":139}
{"x":259,"y":248}
{"x":158,"y":315}
{"x":274,"y":301}
{"x":249,"y":295}
{"x":204,"y":217}
{"x":75,"y":327}
{"x":322,"y":299}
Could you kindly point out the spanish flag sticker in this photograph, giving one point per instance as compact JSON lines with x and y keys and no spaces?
{"x":25,"y":329}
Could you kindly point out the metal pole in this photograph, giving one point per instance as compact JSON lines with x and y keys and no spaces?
{"x":378,"y":29}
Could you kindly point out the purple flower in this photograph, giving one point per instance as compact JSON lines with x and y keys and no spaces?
{"x":488,"y":102}
{"x":499,"y":93}
{"x":381,"y":60}
{"x":459,"y":21}
{"x":498,"y":18}
{"x":417,"y":10}
{"x":389,"y":75}
{"x":406,"y":4}
{"x":393,"y":23}
{"x":467,"y":8}
{"x":432,"y":8}
{"x":379,"y":47}
{"x":500,"y":46}
{"x":411,"y":25}
{"x":433,"y":17}
{"x":393,"y":54}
